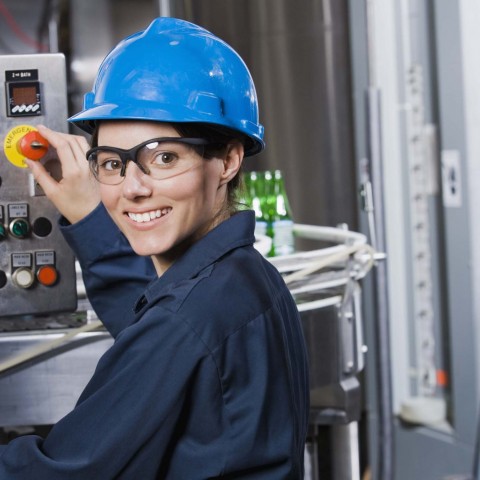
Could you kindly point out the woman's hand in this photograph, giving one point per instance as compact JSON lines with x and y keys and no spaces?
{"x":76,"y":194}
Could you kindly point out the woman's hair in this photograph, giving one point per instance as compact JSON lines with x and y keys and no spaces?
{"x":219,"y":137}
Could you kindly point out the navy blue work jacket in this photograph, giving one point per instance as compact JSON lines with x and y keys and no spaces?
{"x":207,"y":377}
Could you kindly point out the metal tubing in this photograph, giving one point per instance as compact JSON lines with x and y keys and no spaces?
{"x":346,"y":461}
{"x":382,"y":330}
{"x":165,"y":8}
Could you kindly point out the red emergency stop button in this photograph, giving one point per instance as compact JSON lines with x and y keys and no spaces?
{"x":33,"y":146}
{"x":24,"y":141}
{"x":47,"y":275}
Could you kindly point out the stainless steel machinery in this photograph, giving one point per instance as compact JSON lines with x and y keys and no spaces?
{"x":37,"y":271}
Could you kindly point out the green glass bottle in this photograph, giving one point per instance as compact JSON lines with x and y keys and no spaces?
{"x":279,"y":218}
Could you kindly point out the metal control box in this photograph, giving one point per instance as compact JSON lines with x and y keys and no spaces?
{"x":37,"y":268}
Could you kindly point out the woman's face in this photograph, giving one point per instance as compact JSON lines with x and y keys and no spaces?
{"x":162,"y":218}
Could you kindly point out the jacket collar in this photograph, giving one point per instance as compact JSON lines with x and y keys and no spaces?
{"x":237,"y":231}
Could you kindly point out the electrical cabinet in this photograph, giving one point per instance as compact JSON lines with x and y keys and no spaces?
{"x":37,"y":268}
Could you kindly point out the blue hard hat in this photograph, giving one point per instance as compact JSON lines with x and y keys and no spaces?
{"x":175,"y":71}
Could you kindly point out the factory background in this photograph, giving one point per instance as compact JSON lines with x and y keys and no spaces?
{"x":372,"y":112}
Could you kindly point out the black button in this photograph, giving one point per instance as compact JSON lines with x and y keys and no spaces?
{"x":3,"y":278}
{"x":42,"y":227}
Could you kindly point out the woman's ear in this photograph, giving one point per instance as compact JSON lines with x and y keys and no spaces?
{"x":232,"y":161}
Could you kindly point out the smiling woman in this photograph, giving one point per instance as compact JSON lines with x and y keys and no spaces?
{"x":207,"y":377}
{"x":182,"y":201}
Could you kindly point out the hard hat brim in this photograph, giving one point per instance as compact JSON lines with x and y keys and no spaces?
{"x":87,"y":120}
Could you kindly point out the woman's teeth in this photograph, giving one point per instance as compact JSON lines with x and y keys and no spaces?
{"x":147,"y":216}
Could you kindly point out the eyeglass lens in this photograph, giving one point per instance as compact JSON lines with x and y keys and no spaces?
{"x":159,"y":159}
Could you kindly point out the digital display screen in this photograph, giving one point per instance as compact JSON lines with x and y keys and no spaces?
{"x":23,"y":99}
{"x":24,"y":95}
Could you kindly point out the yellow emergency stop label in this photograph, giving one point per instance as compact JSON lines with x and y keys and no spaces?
{"x":10,"y":144}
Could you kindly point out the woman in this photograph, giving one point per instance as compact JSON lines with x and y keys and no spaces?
{"x":207,"y":376}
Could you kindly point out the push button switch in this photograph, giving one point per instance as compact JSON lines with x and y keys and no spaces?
{"x":46,"y":271}
{"x":42,"y":227}
{"x":24,"y":141}
{"x":33,"y":146}
{"x":23,"y":277}
{"x":19,"y":228}
{"x":47,"y":275}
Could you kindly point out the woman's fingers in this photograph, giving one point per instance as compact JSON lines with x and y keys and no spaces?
{"x":45,"y":180}
{"x":76,"y":194}
{"x":71,"y":150}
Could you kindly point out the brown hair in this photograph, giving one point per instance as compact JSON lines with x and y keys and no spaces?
{"x":220,"y":138}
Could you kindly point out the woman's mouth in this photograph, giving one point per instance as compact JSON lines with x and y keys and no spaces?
{"x":148,"y":216}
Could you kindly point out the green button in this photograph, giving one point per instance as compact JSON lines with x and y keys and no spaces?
{"x":3,"y":232}
{"x":19,"y":228}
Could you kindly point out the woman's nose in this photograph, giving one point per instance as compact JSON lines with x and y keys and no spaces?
{"x":135,"y":183}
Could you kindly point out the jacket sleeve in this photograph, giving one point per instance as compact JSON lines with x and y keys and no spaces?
{"x":126,"y":418}
{"x":113,"y":274}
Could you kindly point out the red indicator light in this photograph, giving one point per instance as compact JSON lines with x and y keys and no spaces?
{"x":47,"y":275}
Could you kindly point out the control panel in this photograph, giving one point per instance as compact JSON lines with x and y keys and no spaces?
{"x":37,"y":268}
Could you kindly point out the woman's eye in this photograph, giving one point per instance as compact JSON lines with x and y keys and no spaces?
{"x":164,"y":158}
{"x":110,"y":164}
